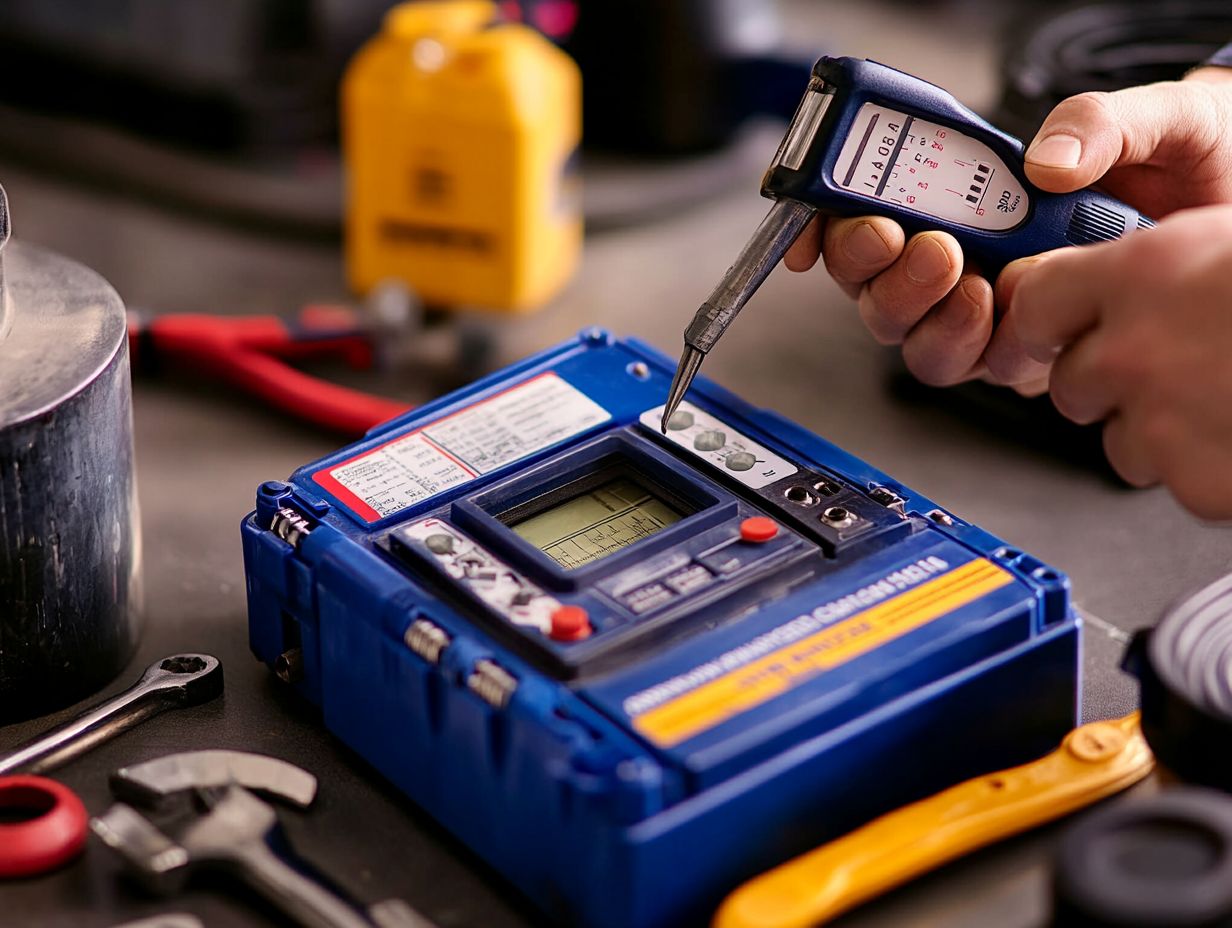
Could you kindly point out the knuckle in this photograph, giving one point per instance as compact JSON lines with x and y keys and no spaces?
{"x":1205,"y":499}
{"x":1068,"y":399}
{"x":1031,"y":388}
{"x":929,"y":365}
{"x":1089,"y":109}
{"x":840,"y":268}
{"x":1010,"y":367}
{"x":1135,"y":259}
{"x":875,"y":318}
{"x":1125,"y":355}
{"x":1114,"y":444}
{"x":896,"y":308}
{"x":1158,"y":434}
{"x":998,"y":370}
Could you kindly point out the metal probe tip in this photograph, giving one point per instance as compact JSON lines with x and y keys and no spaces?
{"x":782,"y":226}
{"x":686,"y":370}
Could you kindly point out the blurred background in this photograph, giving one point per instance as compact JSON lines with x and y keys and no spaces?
{"x":450,"y":186}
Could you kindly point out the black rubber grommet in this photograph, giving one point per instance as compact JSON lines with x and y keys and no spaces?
{"x":1164,"y":862}
{"x":1185,"y":667}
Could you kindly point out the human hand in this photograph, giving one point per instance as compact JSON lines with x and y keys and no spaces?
{"x":1138,"y":333}
{"x":1159,"y":147}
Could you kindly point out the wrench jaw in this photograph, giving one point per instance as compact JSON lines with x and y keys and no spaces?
{"x":238,"y":834}
{"x":219,"y":838}
{"x":207,"y":819}
{"x":157,"y":862}
{"x":155,"y":783}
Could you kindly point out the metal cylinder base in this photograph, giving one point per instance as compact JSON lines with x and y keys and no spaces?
{"x":70,"y":591}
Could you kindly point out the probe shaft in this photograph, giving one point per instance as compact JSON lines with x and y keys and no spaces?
{"x":782,"y":226}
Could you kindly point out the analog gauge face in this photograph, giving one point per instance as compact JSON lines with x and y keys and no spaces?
{"x":928,"y":168}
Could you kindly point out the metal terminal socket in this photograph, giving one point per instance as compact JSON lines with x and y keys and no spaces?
{"x":290,"y":525}
{"x":941,"y":517}
{"x":492,"y":683}
{"x":801,"y":496}
{"x":839,"y":516}
{"x":427,"y":639}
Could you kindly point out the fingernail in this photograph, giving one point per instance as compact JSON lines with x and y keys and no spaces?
{"x":864,"y":246}
{"x":1055,"y":151}
{"x":927,"y":261}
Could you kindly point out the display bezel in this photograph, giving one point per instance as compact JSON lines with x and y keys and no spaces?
{"x":490,"y":512}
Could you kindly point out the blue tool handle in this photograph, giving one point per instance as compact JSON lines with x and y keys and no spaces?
{"x":1056,"y":220}
{"x":1053,"y":220}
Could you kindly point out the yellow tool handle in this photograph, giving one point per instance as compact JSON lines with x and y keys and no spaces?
{"x":1094,"y":761}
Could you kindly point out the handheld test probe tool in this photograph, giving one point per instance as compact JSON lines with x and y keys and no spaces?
{"x":868,"y":139}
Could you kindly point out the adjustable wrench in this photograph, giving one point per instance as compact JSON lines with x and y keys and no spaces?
{"x":237,"y":833}
{"x":171,"y":683}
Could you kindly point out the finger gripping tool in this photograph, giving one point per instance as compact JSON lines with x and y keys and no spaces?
{"x":868,"y":139}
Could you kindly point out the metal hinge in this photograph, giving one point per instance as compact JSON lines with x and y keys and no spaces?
{"x":492,"y":683}
{"x":427,"y":639}
{"x":290,"y":526}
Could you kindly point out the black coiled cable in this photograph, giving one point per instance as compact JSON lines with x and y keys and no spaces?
{"x":1104,"y":46}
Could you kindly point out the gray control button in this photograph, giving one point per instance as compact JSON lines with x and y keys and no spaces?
{"x":440,"y":543}
{"x":648,"y":597}
{"x":710,"y":440}
{"x":740,"y":460}
{"x":691,"y":578}
{"x":681,"y":419}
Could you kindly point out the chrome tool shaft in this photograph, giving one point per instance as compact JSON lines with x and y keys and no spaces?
{"x":781,"y":227}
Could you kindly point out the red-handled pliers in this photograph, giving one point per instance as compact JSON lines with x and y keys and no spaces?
{"x":249,"y":352}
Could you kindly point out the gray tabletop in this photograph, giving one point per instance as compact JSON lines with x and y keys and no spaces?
{"x":800,"y":349}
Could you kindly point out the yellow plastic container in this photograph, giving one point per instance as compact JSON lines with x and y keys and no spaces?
{"x":460,"y":135}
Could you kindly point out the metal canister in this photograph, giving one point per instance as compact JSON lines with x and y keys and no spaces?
{"x":70,"y":590}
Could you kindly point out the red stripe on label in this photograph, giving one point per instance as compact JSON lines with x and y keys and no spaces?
{"x":454,"y":458}
{"x":327,"y":482}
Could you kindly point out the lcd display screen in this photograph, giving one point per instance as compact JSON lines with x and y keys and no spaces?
{"x":597,"y":522}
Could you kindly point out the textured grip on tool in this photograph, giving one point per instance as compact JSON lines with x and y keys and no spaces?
{"x":1093,"y":222}
{"x":1144,"y":223}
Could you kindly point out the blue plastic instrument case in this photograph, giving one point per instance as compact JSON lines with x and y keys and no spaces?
{"x":631,"y":670}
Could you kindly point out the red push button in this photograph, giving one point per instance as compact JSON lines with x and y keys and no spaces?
{"x":570,"y":623}
{"x":758,"y":529}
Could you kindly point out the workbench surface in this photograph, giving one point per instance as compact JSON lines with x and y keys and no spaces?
{"x":800,"y":349}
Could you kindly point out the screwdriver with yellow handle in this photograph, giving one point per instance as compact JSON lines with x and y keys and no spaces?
{"x":1094,"y":761}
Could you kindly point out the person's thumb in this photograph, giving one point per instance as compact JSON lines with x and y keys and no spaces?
{"x":1170,"y":124}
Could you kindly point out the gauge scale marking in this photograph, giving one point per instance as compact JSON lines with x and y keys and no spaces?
{"x":924,"y":166}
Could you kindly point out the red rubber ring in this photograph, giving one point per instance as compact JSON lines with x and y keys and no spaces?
{"x":54,"y":837}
